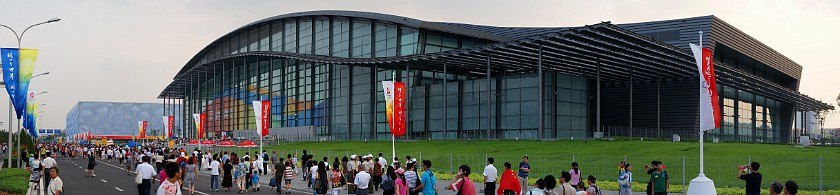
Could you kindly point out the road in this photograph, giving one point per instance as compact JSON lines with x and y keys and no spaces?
{"x":112,"y":179}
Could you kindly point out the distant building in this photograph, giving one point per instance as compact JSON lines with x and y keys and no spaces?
{"x":118,"y":118}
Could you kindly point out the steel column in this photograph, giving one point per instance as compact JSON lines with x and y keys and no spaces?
{"x":598,"y":96}
{"x":489,"y":93}
{"x":541,"y":94}
{"x":445,"y":97}
{"x":631,"y":100}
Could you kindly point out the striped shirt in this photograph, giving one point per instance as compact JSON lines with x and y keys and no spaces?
{"x":289,"y":173}
{"x":411,"y":178}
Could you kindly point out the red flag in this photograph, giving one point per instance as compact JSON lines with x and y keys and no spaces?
{"x":399,"y":109}
{"x":265,"y":116}
{"x":143,"y":132}
{"x":170,"y":124}
{"x":709,"y":76}
{"x":202,"y":117}
{"x":509,"y":181}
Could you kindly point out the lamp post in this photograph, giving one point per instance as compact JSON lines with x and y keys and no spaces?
{"x":19,"y":39}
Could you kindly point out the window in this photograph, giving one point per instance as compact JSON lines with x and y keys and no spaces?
{"x":277,"y":37}
{"x":290,"y":32}
{"x":361,"y":38}
{"x":322,"y":36}
{"x":408,"y":41}
{"x":264,"y":38}
{"x":341,"y":37}
{"x":386,"y":40}
{"x":305,"y":36}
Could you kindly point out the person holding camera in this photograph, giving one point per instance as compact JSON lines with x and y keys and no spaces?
{"x":752,"y":179}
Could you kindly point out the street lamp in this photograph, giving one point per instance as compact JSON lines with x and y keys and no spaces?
{"x":19,"y":39}
{"x":42,"y":74}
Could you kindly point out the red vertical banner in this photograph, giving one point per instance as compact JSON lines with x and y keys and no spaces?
{"x":203,"y":117}
{"x":709,"y":75}
{"x":399,"y":109}
{"x":265,"y":116}
{"x":170,"y":124}
{"x":143,"y":134}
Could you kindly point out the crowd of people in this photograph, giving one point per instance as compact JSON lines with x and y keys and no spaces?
{"x":175,"y":169}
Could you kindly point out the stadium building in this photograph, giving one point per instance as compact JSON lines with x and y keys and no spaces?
{"x":118,"y":118}
{"x":322,"y":70}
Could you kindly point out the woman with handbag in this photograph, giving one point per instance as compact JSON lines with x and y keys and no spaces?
{"x":388,"y":186}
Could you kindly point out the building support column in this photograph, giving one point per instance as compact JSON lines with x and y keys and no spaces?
{"x":598,"y":96}
{"x":658,"y":106}
{"x":541,"y":94}
{"x":631,"y":102}
{"x":445,"y":97}
{"x":489,"y":118}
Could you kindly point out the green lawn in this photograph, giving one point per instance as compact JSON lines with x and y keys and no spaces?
{"x":601,"y":158}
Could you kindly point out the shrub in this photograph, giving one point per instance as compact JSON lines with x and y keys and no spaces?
{"x":14,"y":180}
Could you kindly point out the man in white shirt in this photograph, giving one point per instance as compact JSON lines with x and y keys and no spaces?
{"x":362,"y":181}
{"x":56,"y":185}
{"x":490,"y":175}
{"x":214,"y":175}
{"x":48,"y":162}
{"x":382,"y":161}
{"x":147,"y":172}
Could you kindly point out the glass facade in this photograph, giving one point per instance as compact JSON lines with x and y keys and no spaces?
{"x":346,"y":101}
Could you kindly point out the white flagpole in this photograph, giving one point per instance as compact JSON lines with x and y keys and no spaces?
{"x":701,"y":185}
{"x":393,"y":115}
{"x":702,"y":130}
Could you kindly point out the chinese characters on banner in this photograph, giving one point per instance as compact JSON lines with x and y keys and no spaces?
{"x":709,"y":105}
{"x":168,"y":123}
{"x":141,"y":125}
{"x":266,"y":113}
{"x":395,"y":106}
{"x":262,"y":114}
{"x":199,"y":124}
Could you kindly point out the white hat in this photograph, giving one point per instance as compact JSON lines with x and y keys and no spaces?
{"x":353,"y":156}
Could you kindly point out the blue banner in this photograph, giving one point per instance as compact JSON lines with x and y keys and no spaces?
{"x":10,"y":77}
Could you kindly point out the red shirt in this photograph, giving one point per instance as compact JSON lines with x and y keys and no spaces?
{"x":466,"y":186}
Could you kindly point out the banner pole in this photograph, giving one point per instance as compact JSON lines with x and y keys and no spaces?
{"x":701,"y":131}
{"x":393,"y":121}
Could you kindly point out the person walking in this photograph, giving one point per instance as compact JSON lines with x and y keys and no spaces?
{"x":625,"y":180}
{"x":412,"y":178}
{"x":214,"y":174}
{"x":462,"y":183}
{"x":565,"y":187}
{"x":90,"y":166}
{"x":428,"y":180}
{"x":147,"y":172}
{"x":509,"y":183}
{"x":172,"y":184}
{"x":576,"y":179}
{"x":322,"y":180}
{"x":593,"y":188}
{"x":490,"y":174}
{"x":48,"y":163}
{"x":56,"y":186}
{"x":400,"y":185}
{"x":190,"y":178}
{"x":288,"y":176}
{"x":227,"y":181}
{"x":524,"y":169}
{"x":752,"y":179}
{"x":362,"y":181}
{"x":36,"y":172}
{"x":335,"y":177}
{"x":265,"y":162}
{"x":241,"y":168}
{"x":388,"y":187}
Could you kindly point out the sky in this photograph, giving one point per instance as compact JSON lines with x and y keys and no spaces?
{"x":128,"y":51}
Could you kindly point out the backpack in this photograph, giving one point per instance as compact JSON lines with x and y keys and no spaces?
{"x":377,"y":169}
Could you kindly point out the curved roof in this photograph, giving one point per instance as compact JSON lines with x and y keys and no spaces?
{"x":454,"y":28}
{"x":577,"y":51}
